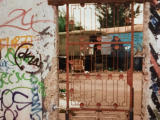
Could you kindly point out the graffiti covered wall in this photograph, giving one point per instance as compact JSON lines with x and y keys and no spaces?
{"x":27,"y":48}
{"x":151,"y":70}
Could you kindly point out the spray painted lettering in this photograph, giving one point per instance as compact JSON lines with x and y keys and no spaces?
{"x":35,"y":99}
{"x":7,"y":79}
{"x":6,"y":108}
{"x":11,"y":57}
{"x":16,"y":41}
{"x":22,"y":16}
{"x":4,"y":65}
{"x":32,"y":60}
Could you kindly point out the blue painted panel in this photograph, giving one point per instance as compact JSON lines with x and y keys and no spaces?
{"x":138,"y":41}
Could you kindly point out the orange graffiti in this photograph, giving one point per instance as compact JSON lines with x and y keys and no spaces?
{"x":16,"y":41}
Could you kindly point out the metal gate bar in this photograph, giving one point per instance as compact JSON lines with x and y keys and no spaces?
{"x":129,"y":73}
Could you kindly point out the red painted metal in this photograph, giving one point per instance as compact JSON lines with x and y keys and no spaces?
{"x":85,"y":43}
{"x":67,"y":55}
{"x":62,"y":2}
{"x":103,"y":87}
{"x":132,"y":54}
{"x":85,"y":109}
{"x":129,"y":77}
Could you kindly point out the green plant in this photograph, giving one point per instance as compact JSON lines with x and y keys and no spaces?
{"x":106,"y":13}
{"x":62,"y":90}
{"x":62,"y":22}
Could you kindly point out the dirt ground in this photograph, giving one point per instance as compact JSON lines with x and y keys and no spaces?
{"x":102,"y":90}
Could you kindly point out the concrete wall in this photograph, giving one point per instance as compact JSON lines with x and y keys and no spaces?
{"x":28,"y":60}
{"x":151,"y":71}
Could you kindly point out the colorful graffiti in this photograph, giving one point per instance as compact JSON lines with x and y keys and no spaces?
{"x":25,"y":57}
{"x":154,"y":108}
{"x":16,"y":41}
{"x":7,"y":79}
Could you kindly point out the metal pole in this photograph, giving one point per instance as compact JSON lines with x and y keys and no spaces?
{"x":67,"y":55}
{"x":132,"y":56}
{"x":85,"y":43}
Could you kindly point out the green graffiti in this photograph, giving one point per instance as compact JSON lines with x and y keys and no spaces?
{"x":42,"y":90}
{"x":4,"y":75}
{"x":11,"y":58}
{"x":43,"y":93}
{"x":11,"y":54}
{"x":34,"y":82}
{"x":20,"y":78}
{"x":18,"y":88}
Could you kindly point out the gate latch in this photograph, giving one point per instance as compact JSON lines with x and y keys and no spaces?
{"x":54,"y":107}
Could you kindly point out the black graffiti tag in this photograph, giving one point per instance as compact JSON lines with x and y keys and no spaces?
{"x":27,"y":55}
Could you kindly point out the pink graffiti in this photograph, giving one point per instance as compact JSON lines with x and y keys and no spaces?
{"x":22,"y":16}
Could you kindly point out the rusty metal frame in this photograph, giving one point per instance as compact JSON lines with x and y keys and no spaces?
{"x":67,"y":55}
{"x":62,"y":2}
{"x":129,"y":74}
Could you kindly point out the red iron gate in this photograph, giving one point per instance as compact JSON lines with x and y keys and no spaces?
{"x":99,"y":65}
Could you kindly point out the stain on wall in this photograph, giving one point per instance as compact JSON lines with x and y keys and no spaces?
{"x":27,"y":58}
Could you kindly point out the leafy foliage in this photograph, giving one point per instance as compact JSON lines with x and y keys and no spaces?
{"x":107,"y":13}
{"x":62,"y":22}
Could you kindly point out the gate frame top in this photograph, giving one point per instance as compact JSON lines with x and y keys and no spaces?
{"x":62,"y":2}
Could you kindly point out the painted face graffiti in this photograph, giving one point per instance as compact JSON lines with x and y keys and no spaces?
{"x":27,"y":55}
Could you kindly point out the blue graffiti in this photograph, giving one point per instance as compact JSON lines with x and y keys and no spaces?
{"x":4,"y":65}
{"x":155,"y":87}
{"x":35,"y":99}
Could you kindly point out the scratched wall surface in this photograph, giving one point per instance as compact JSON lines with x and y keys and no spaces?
{"x":28,"y":53}
{"x":151,"y":71}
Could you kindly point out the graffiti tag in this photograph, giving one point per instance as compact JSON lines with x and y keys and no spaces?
{"x":27,"y":55}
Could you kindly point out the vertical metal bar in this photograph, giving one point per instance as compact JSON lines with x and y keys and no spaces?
{"x":132,"y":54}
{"x":67,"y":115}
{"x":113,"y":60}
{"x":95,"y":62}
{"x":127,"y":58}
{"x":114,"y":18}
{"x":67,"y":54}
{"x":125,"y":61}
{"x":102,"y":60}
{"x":117,"y":60}
{"x":106,"y":16}
{"x":106,"y":61}
{"x":91,"y":60}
